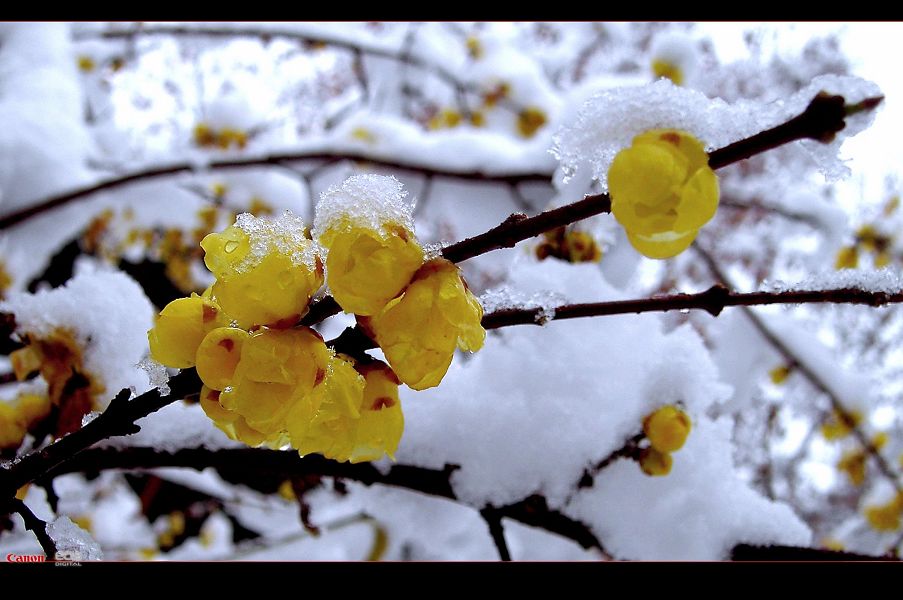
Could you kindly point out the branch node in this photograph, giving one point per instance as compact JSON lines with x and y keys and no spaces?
{"x":715,"y":298}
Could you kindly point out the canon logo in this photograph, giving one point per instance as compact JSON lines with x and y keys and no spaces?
{"x":20,"y":558}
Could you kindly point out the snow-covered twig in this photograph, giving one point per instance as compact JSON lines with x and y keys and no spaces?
{"x":248,"y":463}
{"x":811,"y":374}
{"x":277,"y":160}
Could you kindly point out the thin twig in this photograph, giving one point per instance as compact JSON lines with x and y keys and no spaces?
{"x":36,"y":526}
{"x":811,"y":374}
{"x":277,"y":160}
{"x":118,"y":419}
{"x":245,"y":464}
{"x":713,"y":300}
{"x":494,"y":521}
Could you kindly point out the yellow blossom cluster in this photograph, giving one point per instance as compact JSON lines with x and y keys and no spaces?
{"x":267,"y":379}
{"x":667,"y":430}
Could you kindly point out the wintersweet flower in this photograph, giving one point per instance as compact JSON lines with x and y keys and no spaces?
{"x":230,"y":422}
{"x":662,"y":191}
{"x":419,"y":330}
{"x":180,"y":327}
{"x":357,"y":415}
{"x":667,"y":428}
{"x":366,"y":267}
{"x":368,"y":231}
{"x":278,"y":368}
{"x":266,"y":269}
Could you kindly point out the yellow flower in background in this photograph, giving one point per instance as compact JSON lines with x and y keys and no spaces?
{"x":667,"y":428}
{"x":885,"y":517}
{"x":419,"y":330}
{"x":655,"y":463}
{"x":180,"y":327}
{"x":12,"y":429}
{"x":662,"y":191}
{"x":367,"y":267}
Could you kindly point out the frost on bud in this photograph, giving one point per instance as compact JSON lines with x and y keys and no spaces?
{"x":662,"y":191}
{"x":368,"y":230}
{"x":179,"y":329}
{"x":667,"y":428}
{"x":266,"y":269}
{"x":419,"y":330}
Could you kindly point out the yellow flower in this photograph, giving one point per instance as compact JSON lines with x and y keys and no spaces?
{"x":218,"y":356}
{"x":356,"y":416}
{"x":847,"y":258}
{"x":278,"y":367}
{"x":839,"y":425}
{"x":529,"y":120}
{"x":853,"y":464}
{"x":662,"y":191}
{"x":667,"y":428}
{"x":179,"y":329}
{"x":266,"y":270}
{"x":668,"y":69}
{"x":12,"y":430}
{"x":230,"y":422}
{"x":418,"y":331}
{"x":33,"y":408}
{"x":367,"y":267}
{"x":885,"y":517}
{"x":655,"y":463}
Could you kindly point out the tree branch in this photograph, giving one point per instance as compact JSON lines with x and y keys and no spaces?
{"x":493,"y":520}
{"x":811,"y":374}
{"x":713,"y":300}
{"x":118,"y":419}
{"x":356,"y":46}
{"x":276,"y":160}
{"x":818,"y":121}
{"x":822,"y":119}
{"x":35,"y":525}
{"x":244,"y":464}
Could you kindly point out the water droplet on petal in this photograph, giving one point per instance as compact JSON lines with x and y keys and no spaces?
{"x":230,"y":246}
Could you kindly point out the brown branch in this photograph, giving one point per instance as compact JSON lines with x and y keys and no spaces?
{"x":822,"y":119}
{"x":240,"y":464}
{"x":811,"y":374}
{"x":276,"y":160}
{"x":493,"y":518}
{"x":744,"y":552}
{"x":35,"y":525}
{"x":118,"y":419}
{"x":713,"y":300}
{"x":311,"y":39}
